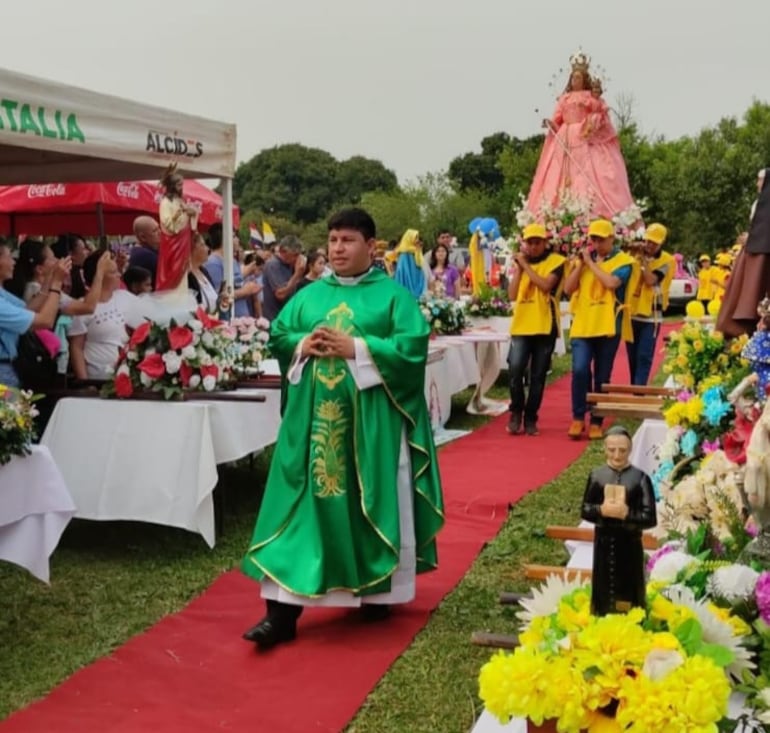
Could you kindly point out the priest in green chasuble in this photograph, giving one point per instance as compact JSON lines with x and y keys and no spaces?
{"x":353,"y":499}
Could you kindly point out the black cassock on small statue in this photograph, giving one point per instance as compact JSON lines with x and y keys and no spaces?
{"x":618,"y":565}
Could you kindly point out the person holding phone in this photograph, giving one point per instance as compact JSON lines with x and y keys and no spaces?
{"x":281,"y":275}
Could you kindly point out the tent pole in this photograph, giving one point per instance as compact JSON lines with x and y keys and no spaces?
{"x":100,"y":220}
{"x":227,"y":236}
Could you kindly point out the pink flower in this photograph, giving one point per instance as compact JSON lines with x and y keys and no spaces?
{"x":657,"y":555}
{"x":710,"y":446}
{"x":683,"y":396}
{"x":762,"y":593}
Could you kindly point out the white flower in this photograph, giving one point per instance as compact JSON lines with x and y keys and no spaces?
{"x":209,"y":382}
{"x":195,"y":325}
{"x":109,"y":370}
{"x":764,"y":696}
{"x":715,"y":631}
{"x":668,"y":567}
{"x":132,"y":355}
{"x":205,"y":359}
{"x":145,"y":379}
{"x":195,"y":381}
{"x":263,"y":323}
{"x":207,"y":339}
{"x":263,"y":337}
{"x":123,"y":369}
{"x":659,"y":662}
{"x":733,"y":583}
{"x":173,"y":361}
{"x":545,"y":598}
{"x":188,"y":352}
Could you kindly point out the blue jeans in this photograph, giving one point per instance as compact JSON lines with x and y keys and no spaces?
{"x":8,"y":375}
{"x":599,"y":352}
{"x":535,"y":352}
{"x":642,"y":350}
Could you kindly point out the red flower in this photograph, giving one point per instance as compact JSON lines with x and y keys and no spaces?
{"x":152,"y":366}
{"x":185,"y":373}
{"x":212,"y":370}
{"x":123,"y":386}
{"x":206,"y":319}
{"x":139,"y":336}
{"x":179,"y":337}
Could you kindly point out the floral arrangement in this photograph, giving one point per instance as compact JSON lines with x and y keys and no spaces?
{"x":202,"y":354}
{"x":488,"y":303}
{"x":17,"y":422}
{"x":739,"y":593}
{"x":696,"y":355}
{"x":567,"y":223}
{"x":248,"y":343}
{"x":660,"y":670}
{"x":445,"y":316}
{"x":710,"y":499}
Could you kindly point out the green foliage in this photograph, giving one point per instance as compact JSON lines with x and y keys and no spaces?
{"x":303,"y":184}
{"x":430,"y":204}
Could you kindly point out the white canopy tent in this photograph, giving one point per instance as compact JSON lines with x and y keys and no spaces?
{"x":51,"y":133}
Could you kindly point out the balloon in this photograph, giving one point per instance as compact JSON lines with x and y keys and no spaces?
{"x":474,"y":225}
{"x":487,"y":225}
{"x":695,"y":309}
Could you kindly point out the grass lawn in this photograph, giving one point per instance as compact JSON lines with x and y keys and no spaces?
{"x":113,"y":580}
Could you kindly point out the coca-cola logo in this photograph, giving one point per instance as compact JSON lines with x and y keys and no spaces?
{"x":128,"y":190}
{"x":46,"y":190}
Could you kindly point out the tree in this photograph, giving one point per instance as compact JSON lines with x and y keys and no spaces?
{"x":292,"y":181}
{"x":480,"y":171}
{"x":359,"y":175}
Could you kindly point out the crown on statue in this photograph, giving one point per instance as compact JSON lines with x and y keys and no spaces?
{"x":579,"y":61}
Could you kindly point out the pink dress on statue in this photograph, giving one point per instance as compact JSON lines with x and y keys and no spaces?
{"x":581,"y":159}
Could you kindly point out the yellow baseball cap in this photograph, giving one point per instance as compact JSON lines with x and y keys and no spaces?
{"x":724,"y":260}
{"x":601,"y":228}
{"x":656,"y":233}
{"x":532,"y":231}
{"x":704,"y":258}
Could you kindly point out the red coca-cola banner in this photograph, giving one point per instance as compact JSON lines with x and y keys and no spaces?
{"x":52,"y":208}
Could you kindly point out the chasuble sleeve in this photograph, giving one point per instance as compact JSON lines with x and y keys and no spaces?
{"x":286,"y":333}
{"x":400,"y":356}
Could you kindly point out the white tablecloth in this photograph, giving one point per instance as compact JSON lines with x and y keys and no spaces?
{"x":155,"y":461}
{"x":647,"y":441}
{"x":485,"y":345}
{"x":452,"y":368}
{"x":35,"y":507}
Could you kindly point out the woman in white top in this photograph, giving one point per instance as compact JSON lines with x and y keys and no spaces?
{"x":199,"y":280}
{"x":35,"y":265}
{"x":96,"y":339}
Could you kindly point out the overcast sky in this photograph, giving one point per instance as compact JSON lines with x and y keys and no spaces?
{"x":410,"y":82}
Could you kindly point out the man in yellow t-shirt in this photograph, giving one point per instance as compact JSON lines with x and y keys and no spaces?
{"x":534,"y":282}
{"x":596,"y":285}
{"x":649,"y":286}
{"x":705,"y":288}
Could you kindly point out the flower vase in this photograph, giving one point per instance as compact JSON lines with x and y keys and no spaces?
{"x":547,"y":726}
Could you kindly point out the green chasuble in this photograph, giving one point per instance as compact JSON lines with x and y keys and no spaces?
{"x":329,"y":519}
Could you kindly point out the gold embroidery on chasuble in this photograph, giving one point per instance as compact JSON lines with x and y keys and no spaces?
{"x":330,"y":420}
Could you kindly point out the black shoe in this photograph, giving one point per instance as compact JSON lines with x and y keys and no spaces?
{"x":374,"y":611}
{"x":269,"y":632}
{"x":531,"y":429}
{"x":514,"y":424}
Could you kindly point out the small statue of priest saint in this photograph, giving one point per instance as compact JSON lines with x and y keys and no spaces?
{"x":619,"y":499}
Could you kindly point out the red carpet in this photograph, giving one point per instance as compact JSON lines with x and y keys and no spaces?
{"x":191,"y":672}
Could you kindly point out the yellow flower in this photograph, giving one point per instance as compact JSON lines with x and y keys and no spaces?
{"x":693,"y":697}
{"x":520,"y":685}
{"x":736,"y":623}
{"x":681,"y":361}
{"x":694,"y":409}
{"x":697,"y":345}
